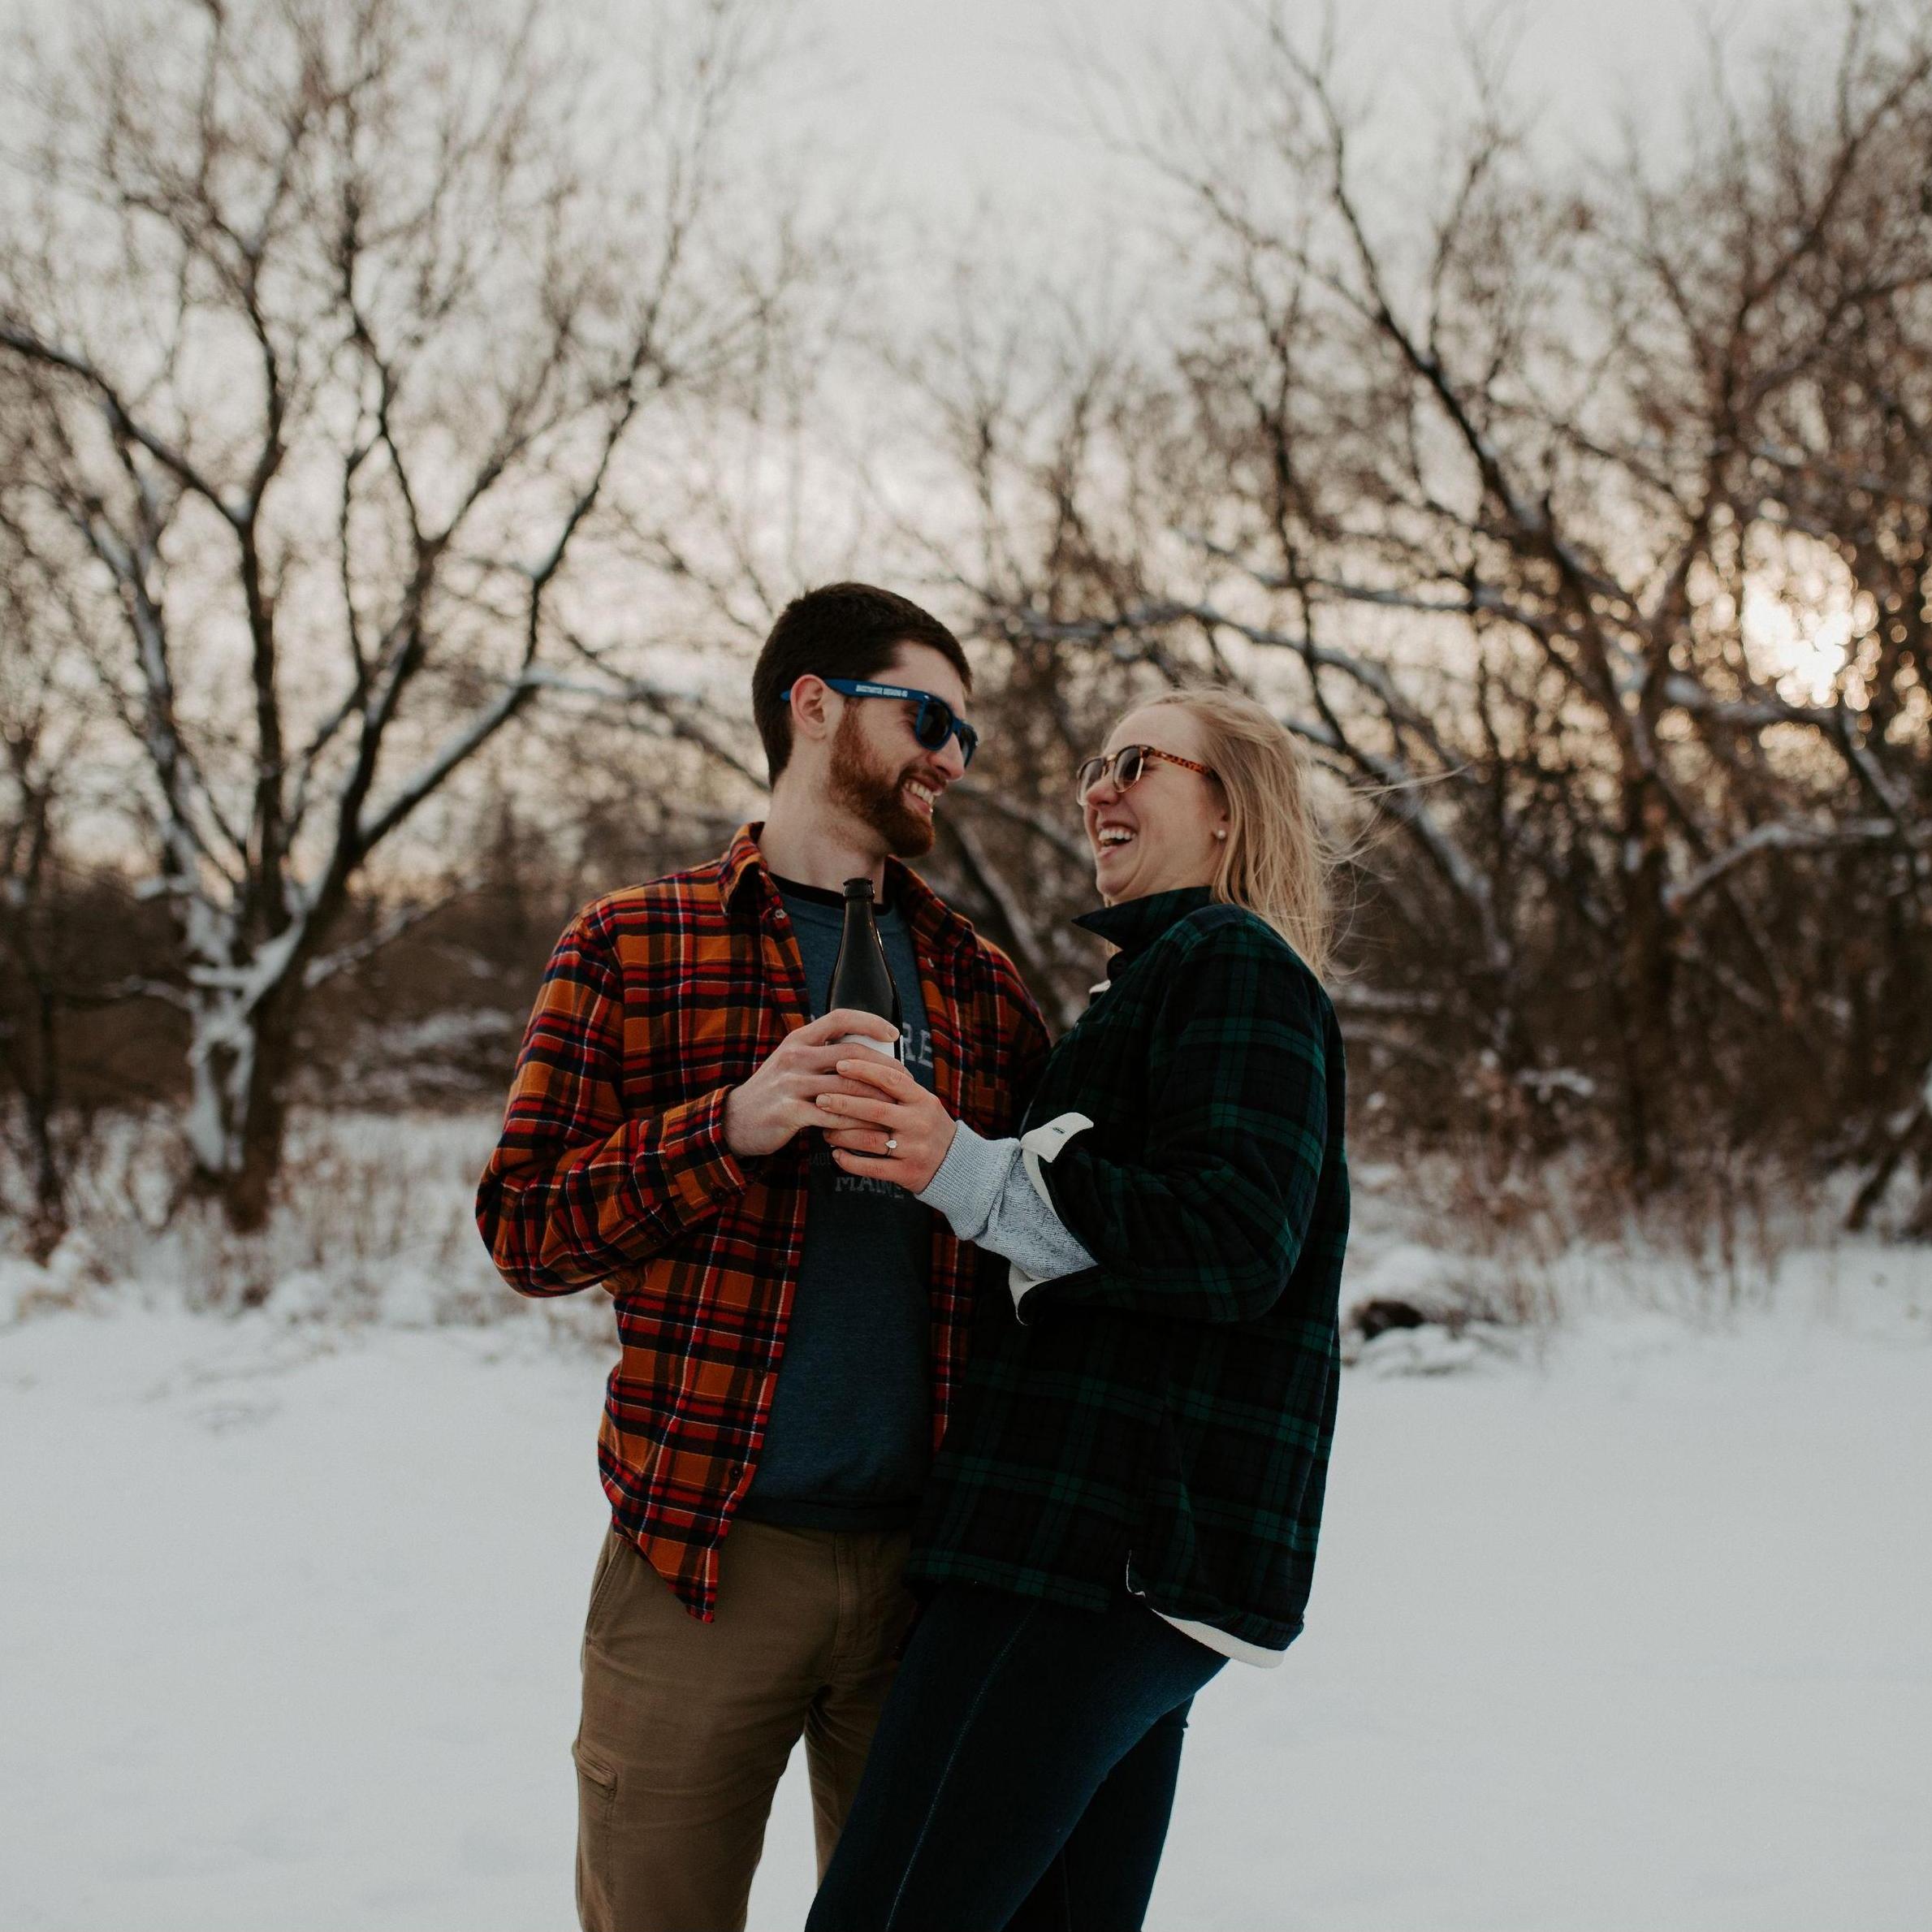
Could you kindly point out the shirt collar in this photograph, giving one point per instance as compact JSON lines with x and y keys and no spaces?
{"x":741,"y":859}
{"x":1134,"y":924}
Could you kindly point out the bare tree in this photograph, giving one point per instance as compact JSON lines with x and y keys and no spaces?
{"x":346,"y":332}
{"x":42,"y":722}
{"x":1580,"y":526}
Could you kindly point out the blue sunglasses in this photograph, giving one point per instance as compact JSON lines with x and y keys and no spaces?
{"x":935,"y":722}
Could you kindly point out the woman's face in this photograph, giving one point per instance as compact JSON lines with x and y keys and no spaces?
{"x":1159,"y":834}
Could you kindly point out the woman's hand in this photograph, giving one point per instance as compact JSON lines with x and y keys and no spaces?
{"x":902,"y":1111}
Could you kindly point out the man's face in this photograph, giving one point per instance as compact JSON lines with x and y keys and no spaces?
{"x":880,"y":772}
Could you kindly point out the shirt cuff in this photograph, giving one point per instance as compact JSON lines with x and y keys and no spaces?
{"x":1042,"y":1145}
{"x":692,"y":1154}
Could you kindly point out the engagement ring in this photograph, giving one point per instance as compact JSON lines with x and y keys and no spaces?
{"x":891,"y":1144}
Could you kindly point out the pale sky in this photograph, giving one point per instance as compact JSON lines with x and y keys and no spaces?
{"x":959,"y":100}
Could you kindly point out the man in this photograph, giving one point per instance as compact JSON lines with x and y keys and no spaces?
{"x":792,"y":1336}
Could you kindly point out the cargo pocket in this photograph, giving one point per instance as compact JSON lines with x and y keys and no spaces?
{"x":596,"y":1855}
{"x":597,"y":1777}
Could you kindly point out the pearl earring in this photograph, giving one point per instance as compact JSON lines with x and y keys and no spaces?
{"x":1221,"y":835}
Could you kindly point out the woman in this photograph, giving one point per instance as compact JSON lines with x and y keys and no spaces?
{"x":1129,"y":1493}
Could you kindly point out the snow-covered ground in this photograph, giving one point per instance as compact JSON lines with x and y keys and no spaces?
{"x":1633,"y":1635}
{"x":1623,"y":1619}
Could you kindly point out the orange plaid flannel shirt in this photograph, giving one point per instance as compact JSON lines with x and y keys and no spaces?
{"x":612,"y":1170}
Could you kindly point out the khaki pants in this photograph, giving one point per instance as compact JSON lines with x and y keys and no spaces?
{"x":687,"y":1726}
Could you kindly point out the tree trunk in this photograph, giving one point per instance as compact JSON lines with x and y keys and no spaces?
{"x":249,"y":1192}
{"x":1911,"y":1140}
{"x":1644,"y":987}
{"x":40,"y":1093}
{"x":237,"y":1116}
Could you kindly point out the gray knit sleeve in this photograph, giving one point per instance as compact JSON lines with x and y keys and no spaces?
{"x":983,"y":1190}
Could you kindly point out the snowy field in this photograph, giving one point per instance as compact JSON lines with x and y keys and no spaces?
{"x":1625,"y":1628}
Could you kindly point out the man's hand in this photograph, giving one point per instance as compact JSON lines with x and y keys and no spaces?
{"x":893,"y":1108}
{"x":781,"y":1097}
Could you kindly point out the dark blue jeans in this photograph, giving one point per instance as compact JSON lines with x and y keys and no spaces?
{"x":1022,"y":1773}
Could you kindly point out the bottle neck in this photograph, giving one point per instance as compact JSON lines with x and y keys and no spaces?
{"x":861,"y":925}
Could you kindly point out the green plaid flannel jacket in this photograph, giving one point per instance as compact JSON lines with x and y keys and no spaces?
{"x":1161,"y":1422}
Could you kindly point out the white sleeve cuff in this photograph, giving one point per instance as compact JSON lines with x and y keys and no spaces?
{"x":1043,"y":1144}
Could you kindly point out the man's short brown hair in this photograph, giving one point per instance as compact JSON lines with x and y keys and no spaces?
{"x":839,"y":630}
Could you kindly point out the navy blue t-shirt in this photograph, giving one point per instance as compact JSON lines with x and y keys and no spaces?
{"x":850,"y":1437}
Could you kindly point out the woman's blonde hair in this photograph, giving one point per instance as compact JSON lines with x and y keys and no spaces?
{"x":1276,"y":862}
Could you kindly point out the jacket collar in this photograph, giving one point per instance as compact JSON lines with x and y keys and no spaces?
{"x":1134,"y":924}
{"x":743,"y":869}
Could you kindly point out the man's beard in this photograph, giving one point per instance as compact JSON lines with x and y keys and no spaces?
{"x":874,"y":796}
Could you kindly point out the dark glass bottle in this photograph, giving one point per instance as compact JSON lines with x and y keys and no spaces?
{"x":861,"y":979}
